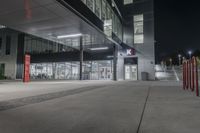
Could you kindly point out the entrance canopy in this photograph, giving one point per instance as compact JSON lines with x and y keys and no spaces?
{"x":49,"y":20}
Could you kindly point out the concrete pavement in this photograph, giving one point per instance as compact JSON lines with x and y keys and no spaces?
{"x":99,"y":107}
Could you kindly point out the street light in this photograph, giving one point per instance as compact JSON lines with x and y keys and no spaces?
{"x":190,"y":53}
{"x":183,"y":59}
{"x":179,"y":58}
{"x":170,"y":62}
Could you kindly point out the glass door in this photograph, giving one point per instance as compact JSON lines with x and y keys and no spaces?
{"x":131,"y":72}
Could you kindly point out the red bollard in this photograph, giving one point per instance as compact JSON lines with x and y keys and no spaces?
{"x":196,"y":75}
{"x":183,"y":69}
{"x":26,"y":77}
{"x":187,"y":76}
{"x":189,"y":71}
{"x":193,"y":74}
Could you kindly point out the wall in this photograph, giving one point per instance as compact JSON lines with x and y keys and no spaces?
{"x":9,"y":60}
{"x":120,"y":66}
{"x":145,"y":52}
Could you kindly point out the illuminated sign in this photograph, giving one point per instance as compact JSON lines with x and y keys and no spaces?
{"x":130,"y":52}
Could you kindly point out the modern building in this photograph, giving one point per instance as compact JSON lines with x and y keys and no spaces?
{"x":78,"y":39}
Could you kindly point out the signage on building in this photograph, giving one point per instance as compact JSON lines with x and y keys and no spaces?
{"x":130,"y":52}
{"x":27,"y":61}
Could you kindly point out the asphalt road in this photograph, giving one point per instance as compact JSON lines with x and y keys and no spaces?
{"x":116,"y":107}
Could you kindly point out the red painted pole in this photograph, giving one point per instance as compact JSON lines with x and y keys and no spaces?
{"x":189,"y":71}
{"x":197,"y":79}
{"x":187,"y":77}
{"x":184,"y":75}
{"x":26,"y":77}
{"x":193,"y":73}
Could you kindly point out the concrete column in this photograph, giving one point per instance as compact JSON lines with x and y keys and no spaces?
{"x":81,"y":59}
{"x":115,"y":54}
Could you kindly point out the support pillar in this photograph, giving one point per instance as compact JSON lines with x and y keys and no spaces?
{"x":81,"y":59}
{"x":115,"y":54}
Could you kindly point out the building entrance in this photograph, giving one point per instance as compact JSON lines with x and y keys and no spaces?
{"x":131,"y":72}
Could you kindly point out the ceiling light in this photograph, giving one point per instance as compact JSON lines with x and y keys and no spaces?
{"x":2,"y":26}
{"x":99,"y":48}
{"x":69,"y":36}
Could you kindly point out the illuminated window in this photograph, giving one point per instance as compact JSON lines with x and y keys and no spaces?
{"x":98,"y":8}
{"x":126,"y":2}
{"x":139,"y":29}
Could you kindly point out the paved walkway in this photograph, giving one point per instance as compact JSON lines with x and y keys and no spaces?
{"x":98,"y":107}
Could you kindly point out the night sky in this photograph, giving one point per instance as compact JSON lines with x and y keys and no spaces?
{"x":177,"y":27}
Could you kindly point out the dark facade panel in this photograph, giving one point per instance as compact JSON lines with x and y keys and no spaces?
{"x":84,"y":12}
{"x":69,"y":56}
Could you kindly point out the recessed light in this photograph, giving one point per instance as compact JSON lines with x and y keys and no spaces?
{"x":69,"y":36}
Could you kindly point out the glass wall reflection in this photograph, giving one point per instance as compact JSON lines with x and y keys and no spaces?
{"x":92,"y":70}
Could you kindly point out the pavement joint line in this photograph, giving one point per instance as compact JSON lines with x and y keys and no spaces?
{"x":19,"y":102}
{"x":143,"y":110}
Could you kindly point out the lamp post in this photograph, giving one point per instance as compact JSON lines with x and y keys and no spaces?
{"x":170,"y":60}
{"x":190,"y":54}
{"x":183,"y":59}
{"x":179,"y":59}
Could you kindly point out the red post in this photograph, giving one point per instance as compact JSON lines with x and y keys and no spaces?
{"x":189,"y":71}
{"x":187,"y":77}
{"x":184,"y":84}
{"x":193,"y":74}
{"x":27,"y":60}
{"x":196,"y":76}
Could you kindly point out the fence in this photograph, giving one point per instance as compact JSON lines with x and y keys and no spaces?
{"x":190,"y":75}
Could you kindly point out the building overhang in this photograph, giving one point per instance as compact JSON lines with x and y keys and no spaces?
{"x":48,"y":19}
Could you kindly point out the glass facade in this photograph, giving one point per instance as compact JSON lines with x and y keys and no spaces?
{"x":35,"y":45}
{"x":61,"y":70}
{"x":103,"y":10}
{"x":92,"y":70}
{"x":139,"y":29}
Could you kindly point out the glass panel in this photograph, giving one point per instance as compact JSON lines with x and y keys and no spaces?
{"x":130,"y":72}
{"x":103,"y":10}
{"x":105,"y":70}
{"x":127,"y":73}
{"x":134,"y":72}
{"x":75,"y":70}
{"x":98,"y":8}
{"x":138,"y":39}
{"x":108,"y":28}
{"x":139,"y":29}
{"x":128,"y":2}
{"x":90,"y":4}
{"x":87,"y":70}
{"x":108,"y":13}
{"x":92,"y":70}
